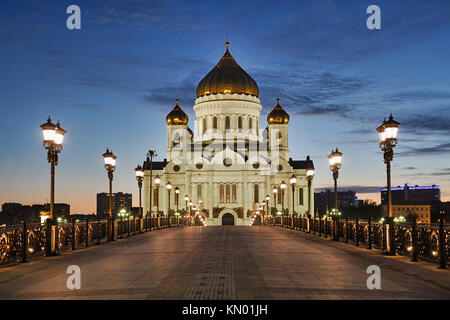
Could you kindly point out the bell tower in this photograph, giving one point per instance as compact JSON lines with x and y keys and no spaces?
{"x":278,"y":131}
{"x":178,"y":132}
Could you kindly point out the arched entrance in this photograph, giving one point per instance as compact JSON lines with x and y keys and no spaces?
{"x":228,"y":219}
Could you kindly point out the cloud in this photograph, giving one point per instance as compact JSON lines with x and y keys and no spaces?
{"x":357,"y":189}
{"x":438,"y":149}
{"x":409,"y":168}
{"x":331,"y":109}
{"x":437,"y":123}
{"x":311,"y":92}
{"x":420,"y":94}
{"x":336,"y":32}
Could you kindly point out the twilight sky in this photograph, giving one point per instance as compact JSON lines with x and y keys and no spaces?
{"x":112,"y":83}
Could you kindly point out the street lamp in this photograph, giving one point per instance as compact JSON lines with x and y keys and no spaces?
{"x":309,"y":177}
{"x":150,"y":155}
{"x":168,"y":187}
{"x":267,"y":205}
{"x":177,"y":194}
{"x":263,"y":210}
{"x":335,"y":159}
{"x":186,"y":199}
{"x":139,"y":177}
{"x":293,"y":181}
{"x":275,"y":191}
{"x":157,"y":183}
{"x":283,"y":186}
{"x":388,"y":140}
{"x":53,"y":139}
{"x":110,"y":165}
{"x":190,"y":204}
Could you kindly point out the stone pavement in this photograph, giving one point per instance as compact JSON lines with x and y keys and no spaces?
{"x":224,"y":263}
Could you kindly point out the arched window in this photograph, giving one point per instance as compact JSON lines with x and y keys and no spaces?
{"x":215,"y":123}
{"x":199,"y":193}
{"x":204,"y":125}
{"x":250,"y":123}
{"x":233,"y":192}
{"x":221,"y":191}
{"x":300,"y":196}
{"x":239,"y":122}
{"x":176,"y":139}
{"x":255,"y":193}
{"x":227,"y":122}
{"x":227,"y":188}
{"x":155,"y":197}
{"x":279,"y":195}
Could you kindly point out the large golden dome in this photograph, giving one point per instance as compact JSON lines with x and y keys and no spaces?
{"x":177,"y":116}
{"x":227,"y":77}
{"x":278,"y":115}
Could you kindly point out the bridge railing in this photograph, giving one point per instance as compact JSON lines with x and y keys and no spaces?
{"x":19,"y":242}
{"x":430,"y":242}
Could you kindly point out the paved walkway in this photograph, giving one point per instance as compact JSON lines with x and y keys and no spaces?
{"x":224,"y":263}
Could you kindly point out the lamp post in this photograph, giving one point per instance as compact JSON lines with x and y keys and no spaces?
{"x":309,"y":177}
{"x":263,"y":211}
{"x":151,"y":154}
{"x":157,"y":183}
{"x":177,"y":195}
{"x":293,"y":181}
{"x":168,"y":187}
{"x":186,"y":199}
{"x":53,"y":139}
{"x":388,"y":140}
{"x":139,"y":177}
{"x":387,"y":132}
{"x":110,"y":166}
{"x":275,"y":191}
{"x":335,"y":158}
{"x":190,"y":204}
{"x":267,"y":206}
{"x":283,"y":186}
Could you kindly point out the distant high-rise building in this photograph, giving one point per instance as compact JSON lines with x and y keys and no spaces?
{"x":325,"y":200}
{"x":14,"y":213}
{"x":408,"y":194}
{"x":415,"y":193}
{"x":120,"y":201}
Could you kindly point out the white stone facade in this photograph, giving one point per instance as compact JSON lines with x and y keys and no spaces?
{"x":197,"y":167}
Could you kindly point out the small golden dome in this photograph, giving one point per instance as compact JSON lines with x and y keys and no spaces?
{"x":278,"y":115}
{"x":177,"y":116}
{"x":227,"y":77}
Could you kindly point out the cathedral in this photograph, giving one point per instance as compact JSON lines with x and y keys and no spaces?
{"x":227,"y":167}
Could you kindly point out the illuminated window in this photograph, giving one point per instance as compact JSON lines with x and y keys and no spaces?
{"x":233,"y":191}
{"x":228,"y":191}
{"x":255,"y":193}
{"x":199,"y":193}
{"x":204,"y":125}
{"x":279,"y":195}
{"x":221,"y":191}
{"x":155,"y":197}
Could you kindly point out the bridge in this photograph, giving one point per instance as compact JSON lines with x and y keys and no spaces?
{"x":289,"y":259}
